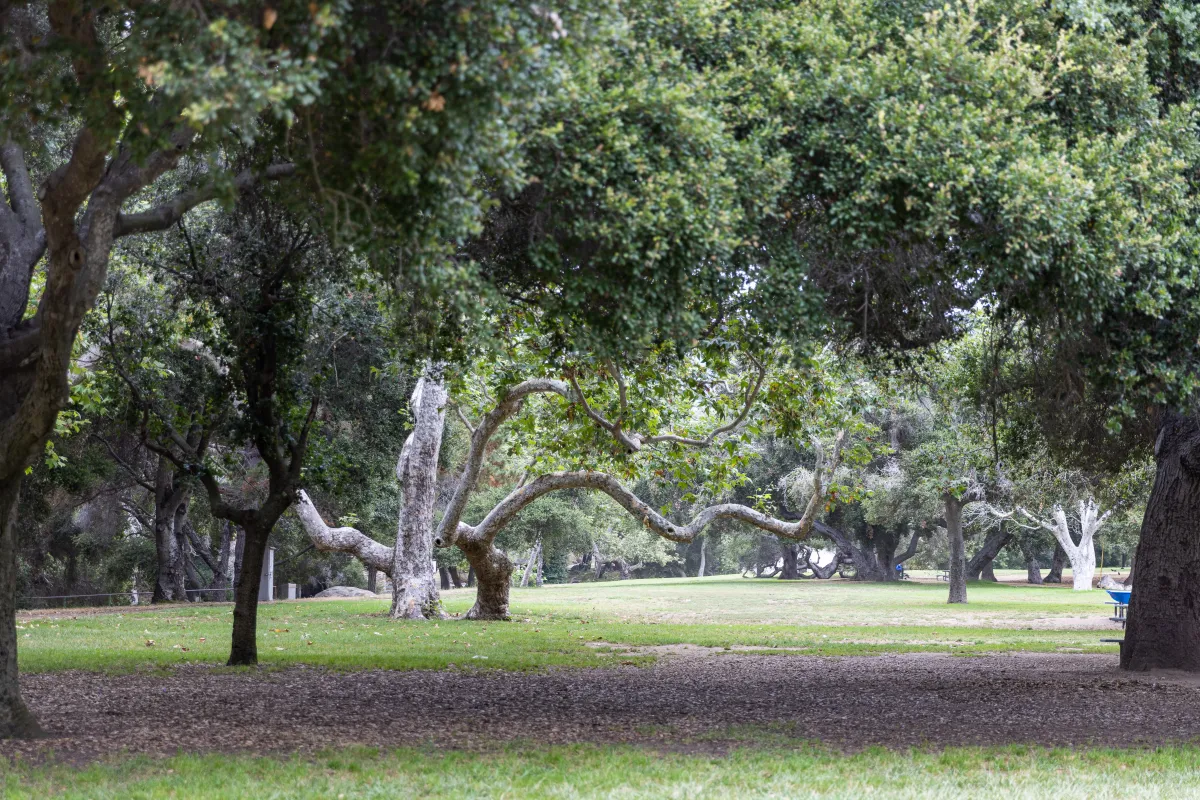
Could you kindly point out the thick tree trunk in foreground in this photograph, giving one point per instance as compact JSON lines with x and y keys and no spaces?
{"x":493,"y":573}
{"x":415,"y":593}
{"x":981,"y":562}
{"x":1163,"y":631}
{"x":958,"y":562}
{"x":1056,"y":565}
{"x":244,"y":648}
{"x":15,"y":718}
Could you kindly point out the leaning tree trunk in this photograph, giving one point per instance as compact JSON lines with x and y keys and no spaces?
{"x":493,"y":574}
{"x":1056,"y":565}
{"x":457,"y":581}
{"x":1163,"y":631}
{"x":958,"y":562}
{"x":981,"y":562}
{"x":415,"y":593}
{"x":15,"y":718}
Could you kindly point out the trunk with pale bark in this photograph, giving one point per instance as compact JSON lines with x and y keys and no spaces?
{"x":958,"y":561}
{"x":15,"y":718}
{"x":1163,"y":631}
{"x":415,"y":592}
{"x":703,"y":555}
{"x":493,"y":574}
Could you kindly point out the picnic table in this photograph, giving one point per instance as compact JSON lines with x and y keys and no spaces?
{"x":1120,"y":604}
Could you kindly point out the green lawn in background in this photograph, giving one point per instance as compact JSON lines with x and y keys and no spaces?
{"x":587,"y":625}
{"x":531,"y":770}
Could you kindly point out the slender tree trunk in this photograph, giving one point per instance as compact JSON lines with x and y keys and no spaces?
{"x":184,"y":570}
{"x":16,"y":721}
{"x":493,"y":573}
{"x":244,"y":649}
{"x":703,"y":553}
{"x":414,"y":585}
{"x":444,"y":574}
{"x":529,"y":564}
{"x":372,"y":579}
{"x":1057,"y":564}
{"x":958,"y":562}
{"x":1163,"y":631}
{"x":454,"y":578}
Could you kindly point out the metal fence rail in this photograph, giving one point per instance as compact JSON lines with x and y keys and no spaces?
{"x":131,"y":598}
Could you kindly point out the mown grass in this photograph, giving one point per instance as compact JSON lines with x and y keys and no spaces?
{"x":582,"y":625}
{"x":590,"y":771}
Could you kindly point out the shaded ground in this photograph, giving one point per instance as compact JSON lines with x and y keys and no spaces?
{"x":695,"y":699}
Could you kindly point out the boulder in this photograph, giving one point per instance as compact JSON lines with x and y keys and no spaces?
{"x":346,"y":591}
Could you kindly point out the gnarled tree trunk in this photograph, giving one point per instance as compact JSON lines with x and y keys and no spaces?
{"x":1163,"y":631}
{"x":791,"y":561}
{"x":493,"y":574}
{"x":958,"y":561}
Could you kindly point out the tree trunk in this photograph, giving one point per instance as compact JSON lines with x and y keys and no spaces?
{"x":540,"y":565}
{"x":988,"y":573}
{"x":183,"y":564}
{"x":239,"y":550}
{"x":791,"y":561}
{"x":981,"y":562}
{"x":1033,"y":572}
{"x":1056,"y":565}
{"x":444,"y":574}
{"x":16,"y":721}
{"x":372,"y":579}
{"x":470,"y":575}
{"x":531,"y":562}
{"x":493,"y":572}
{"x":455,"y":579}
{"x":703,"y":553}
{"x":1163,"y":631}
{"x":958,"y":562}
{"x":414,"y":586}
{"x":253,"y":545}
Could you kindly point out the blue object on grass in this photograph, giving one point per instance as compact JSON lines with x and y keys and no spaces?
{"x":1120,"y":597}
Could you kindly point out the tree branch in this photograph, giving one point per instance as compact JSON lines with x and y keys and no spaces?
{"x":342,"y":540}
{"x":164,"y":216}
{"x":20,"y":188}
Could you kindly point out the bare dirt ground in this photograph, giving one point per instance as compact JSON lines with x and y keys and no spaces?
{"x":692,"y":699}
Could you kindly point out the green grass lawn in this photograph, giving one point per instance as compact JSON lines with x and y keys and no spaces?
{"x":593,"y":625}
{"x":586,"y":625}
{"x":628,"y":772}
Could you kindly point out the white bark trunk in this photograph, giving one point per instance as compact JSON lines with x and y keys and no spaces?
{"x":1083,"y":555}
{"x":415,"y":592}
{"x":703,"y":554}
{"x":529,"y":565}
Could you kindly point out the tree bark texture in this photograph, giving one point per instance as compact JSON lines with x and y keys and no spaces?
{"x":16,"y":721}
{"x":170,"y":583}
{"x":791,"y":561}
{"x":1163,"y":631}
{"x":958,"y":562}
{"x":415,"y":593}
{"x":493,"y":574}
{"x":1033,"y":572}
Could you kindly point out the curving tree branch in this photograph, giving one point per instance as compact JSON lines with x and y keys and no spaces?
{"x":342,"y":540}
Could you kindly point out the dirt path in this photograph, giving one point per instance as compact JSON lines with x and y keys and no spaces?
{"x":914,"y":699}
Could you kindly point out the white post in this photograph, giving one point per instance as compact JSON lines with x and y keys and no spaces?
{"x":266,"y":583}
